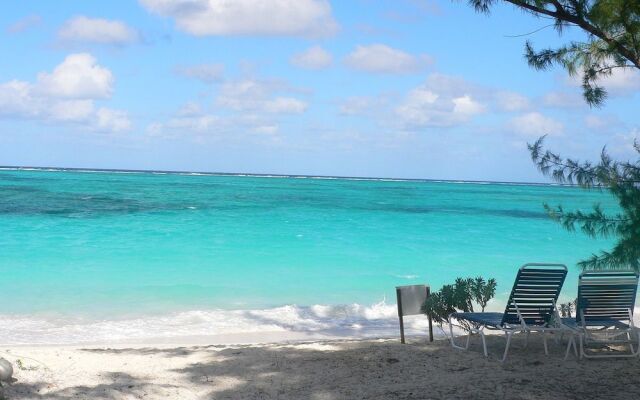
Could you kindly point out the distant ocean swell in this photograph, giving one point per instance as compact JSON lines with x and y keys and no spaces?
{"x":116,"y":256}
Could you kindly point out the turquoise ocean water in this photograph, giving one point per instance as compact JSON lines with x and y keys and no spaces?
{"x":106,"y":255}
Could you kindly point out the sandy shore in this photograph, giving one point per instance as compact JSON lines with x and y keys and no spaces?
{"x":321,"y":370}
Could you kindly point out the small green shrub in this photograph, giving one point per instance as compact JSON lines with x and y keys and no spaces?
{"x":459,"y":297}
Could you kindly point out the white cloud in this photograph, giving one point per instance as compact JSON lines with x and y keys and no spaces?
{"x":190,"y":109}
{"x":510,"y":101}
{"x":66,"y":95}
{"x":594,"y":122}
{"x":266,"y":129}
{"x":534,"y":124}
{"x":311,"y":18}
{"x":563,"y":100}
{"x":243,"y":95}
{"x":622,"y":146}
{"x":207,"y":73}
{"x":79,"y":76}
{"x":442,"y":101}
{"x":17,"y":98}
{"x":25,"y":23}
{"x":313,"y":58}
{"x":193,"y":123}
{"x":358,"y":105}
{"x":241,"y":107}
{"x":258,"y":96}
{"x":83,"y":29}
{"x":621,"y":82}
{"x":72,"y":110}
{"x":287,"y":105}
{"x":112,"y":120}
{"x":465,"y":105}
{"x":380,"y":58}
{"x":603,"y":123}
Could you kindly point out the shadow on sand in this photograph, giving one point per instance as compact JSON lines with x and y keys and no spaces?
{"x":355,"y":370}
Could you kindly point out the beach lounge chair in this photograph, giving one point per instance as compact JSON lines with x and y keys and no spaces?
{"x":531,"y":307}
{"x":604,"y":313}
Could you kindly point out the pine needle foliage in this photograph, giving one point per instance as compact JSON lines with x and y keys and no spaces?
{"x":622,"y":179}
{"x":612,"y":42}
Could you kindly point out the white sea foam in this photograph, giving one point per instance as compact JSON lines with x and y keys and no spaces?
{"x":352,"y":320}
{"x":345,"y":178}
{"x":407,"y":276}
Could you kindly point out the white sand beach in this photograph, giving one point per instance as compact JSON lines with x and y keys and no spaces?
{"x":320,"y":370}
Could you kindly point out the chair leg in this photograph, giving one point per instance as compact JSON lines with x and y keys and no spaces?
{"x":452,"y":339}
{"x":484,"y":343}
{"x":571,"y":342}
{"x":559,"y":338}
{"x":633,"y":351}
{"x":526,"y":339}
{"x":544,"y":341}
{"x":506,"y":348}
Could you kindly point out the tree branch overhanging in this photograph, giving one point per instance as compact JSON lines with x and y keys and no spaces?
{"x":613,"y":38}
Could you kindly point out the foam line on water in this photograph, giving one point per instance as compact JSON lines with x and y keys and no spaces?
{"x":352,"y":320}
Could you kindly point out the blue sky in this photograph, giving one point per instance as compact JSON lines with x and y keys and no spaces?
{"x":413,"y":89}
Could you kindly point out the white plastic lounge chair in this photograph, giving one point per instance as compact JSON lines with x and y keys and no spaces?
{"x":604,"y":313}
{"x":530,"y":308}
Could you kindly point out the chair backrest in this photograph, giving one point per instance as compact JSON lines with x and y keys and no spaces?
{"x":606,"y":295}
{"x":535,"y":293}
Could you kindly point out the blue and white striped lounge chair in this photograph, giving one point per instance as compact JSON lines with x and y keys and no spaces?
{"x":604,"y":313}
{"x":531,"y":307}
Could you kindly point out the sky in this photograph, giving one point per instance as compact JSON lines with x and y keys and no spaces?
{"x":406,"y":89}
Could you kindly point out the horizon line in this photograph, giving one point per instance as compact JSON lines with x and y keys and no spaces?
{"x":266,"y":175}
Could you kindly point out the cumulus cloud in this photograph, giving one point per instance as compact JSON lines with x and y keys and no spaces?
{"x":622,"y":145}
{"x":198,"y":122}
{"x":79,"y":76}
{"x":207,"y":73}
{"x":258,"y":96}
{"x":66,"y":95}
{"x":442,"y":101}
{"x":266,"y":129}
{"x":204,"y":123}
{"x":190,"y":109}
{"x":621,"y":82}
{"x":358,"y":105}
{"x":83,"y":29}
{"x":511,"y":101}
{"x":313,"y":58}
{"x":534,"y":124}
{"x":594,"y":122}
{"x":311,"y":18}
{"x":380,"y":58}
{"x":287,"y":105}
{"x":563,"y":100}
{"x":72,"y":110}
{"x":241,"y":107}
{"x":603,"y":123}
{"x":24,"y":24}
{"x":112,"y":120}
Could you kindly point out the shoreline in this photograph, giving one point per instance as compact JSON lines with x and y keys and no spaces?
{"x":289,"y":322}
